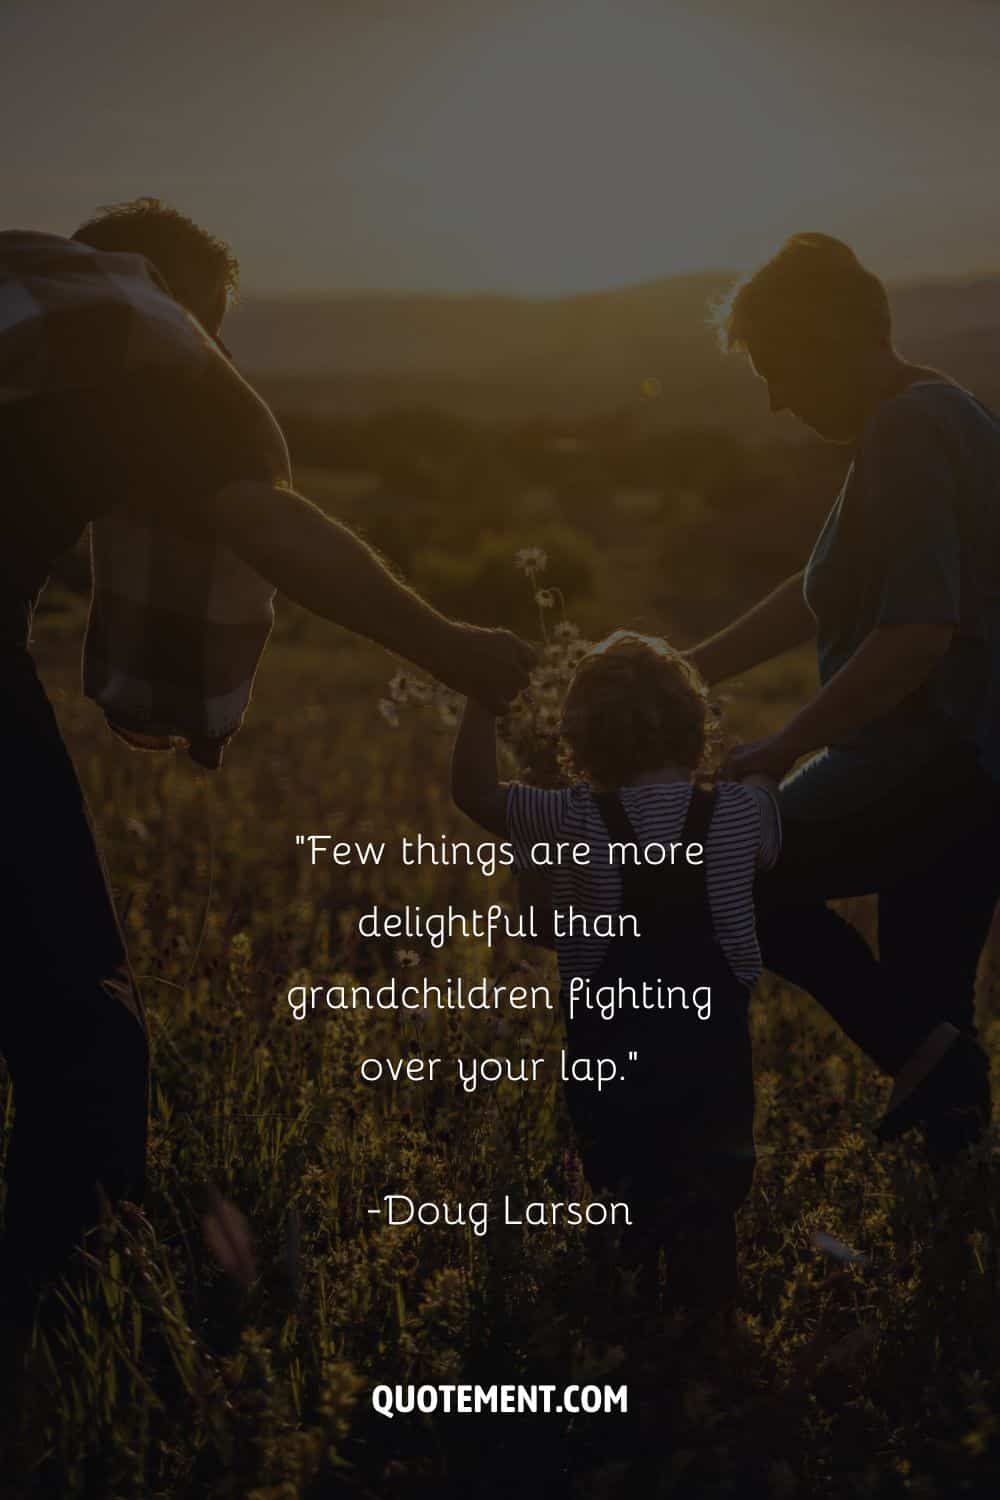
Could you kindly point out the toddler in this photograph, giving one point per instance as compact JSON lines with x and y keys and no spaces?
{"x":674,"y":1137}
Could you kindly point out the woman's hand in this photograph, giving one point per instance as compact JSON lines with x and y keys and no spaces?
{"x":768,"y":757}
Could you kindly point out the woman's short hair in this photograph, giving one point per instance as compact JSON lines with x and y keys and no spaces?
{"x":189,"y":259}
{"x":634,"y":704}
{"x":814,"y":284}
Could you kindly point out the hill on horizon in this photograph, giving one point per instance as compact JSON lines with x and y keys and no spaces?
{"x":513,"y":358}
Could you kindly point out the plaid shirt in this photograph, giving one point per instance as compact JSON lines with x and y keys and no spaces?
{"x":177,"y":622}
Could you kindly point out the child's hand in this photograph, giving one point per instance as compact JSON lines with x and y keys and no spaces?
{"x":533,"y":892}
{"x":768,"y":757}
{"x":761,"y":779}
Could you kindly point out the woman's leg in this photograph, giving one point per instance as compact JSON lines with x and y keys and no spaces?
{"x":908,"y":841}
{"x":805,"y":941}
{"x":933,"y":926}
{"x":819,"y":951}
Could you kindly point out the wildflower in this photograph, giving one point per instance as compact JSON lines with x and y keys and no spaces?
{"x":565,"y":631}
{"x":545,"y":599}
{"x":547,"y":679}
{"x":530,"y":560}
{"x":407,"y":957}
{"x":548,"y":717}
{"x":389,"y":712}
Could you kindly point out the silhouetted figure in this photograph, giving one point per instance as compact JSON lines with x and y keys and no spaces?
{"x":902,"y":597}
{"x":110,"y":399}
{"x":673,"y":1135}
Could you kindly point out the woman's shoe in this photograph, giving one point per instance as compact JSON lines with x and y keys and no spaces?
{"x":945,"y":1091}
{"x":951,"y":1131}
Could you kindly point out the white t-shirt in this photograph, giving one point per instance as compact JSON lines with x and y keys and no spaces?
{"x":744,"y":836}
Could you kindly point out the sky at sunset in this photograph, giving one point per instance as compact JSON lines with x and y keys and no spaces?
{"x":541,"y":147}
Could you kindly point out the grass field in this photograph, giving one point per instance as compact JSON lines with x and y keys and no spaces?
{"x":156,"y":1376}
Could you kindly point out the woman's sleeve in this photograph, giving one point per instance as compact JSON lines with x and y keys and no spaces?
{"x":910,"y":497}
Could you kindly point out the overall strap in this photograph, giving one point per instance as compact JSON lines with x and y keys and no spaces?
{"x":700,"y":812}
{"x":616,"y":819}
{"x":687,"y":883}
{"x":618,"y":825}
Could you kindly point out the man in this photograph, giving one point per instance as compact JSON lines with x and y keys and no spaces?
{"x":902,"y":595}
{"x":178,"y":443}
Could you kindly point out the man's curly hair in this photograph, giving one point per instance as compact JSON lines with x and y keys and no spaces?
{"x":634,"y":704}
{"x":191,"y":261}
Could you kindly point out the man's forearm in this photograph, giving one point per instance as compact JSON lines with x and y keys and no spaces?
{"x":322,"y":565}
{"x":325,"y":567}
{"x":778,"y":622}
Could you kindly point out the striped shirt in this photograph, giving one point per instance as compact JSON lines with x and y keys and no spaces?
{"x":744,"y":836}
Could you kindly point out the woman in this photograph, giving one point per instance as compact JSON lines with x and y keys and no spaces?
{"x":902,"y":594}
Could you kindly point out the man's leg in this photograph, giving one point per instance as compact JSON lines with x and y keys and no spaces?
{"x":72,"y":1028}
{"x":79,"y":1065}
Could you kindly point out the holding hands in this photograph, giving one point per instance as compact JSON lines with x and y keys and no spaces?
{"x":489,"y":666}
{"x":771,"y":757}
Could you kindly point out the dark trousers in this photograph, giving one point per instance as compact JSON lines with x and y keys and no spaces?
{"x":72,"y":1027}
{"x":930,"y":850}
{"x":673,"y":1138}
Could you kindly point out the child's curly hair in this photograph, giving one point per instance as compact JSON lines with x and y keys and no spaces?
{"x":634,"y":704}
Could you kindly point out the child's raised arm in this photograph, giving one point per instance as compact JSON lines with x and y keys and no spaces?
{"x":770,"y":847}
{"x":482,"y":796}
{"x":475,"y":783}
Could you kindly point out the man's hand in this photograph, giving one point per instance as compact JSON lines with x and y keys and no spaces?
{"x":768,"y":757}
{"x":489,"y":666}
{"x":327,"y":568}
